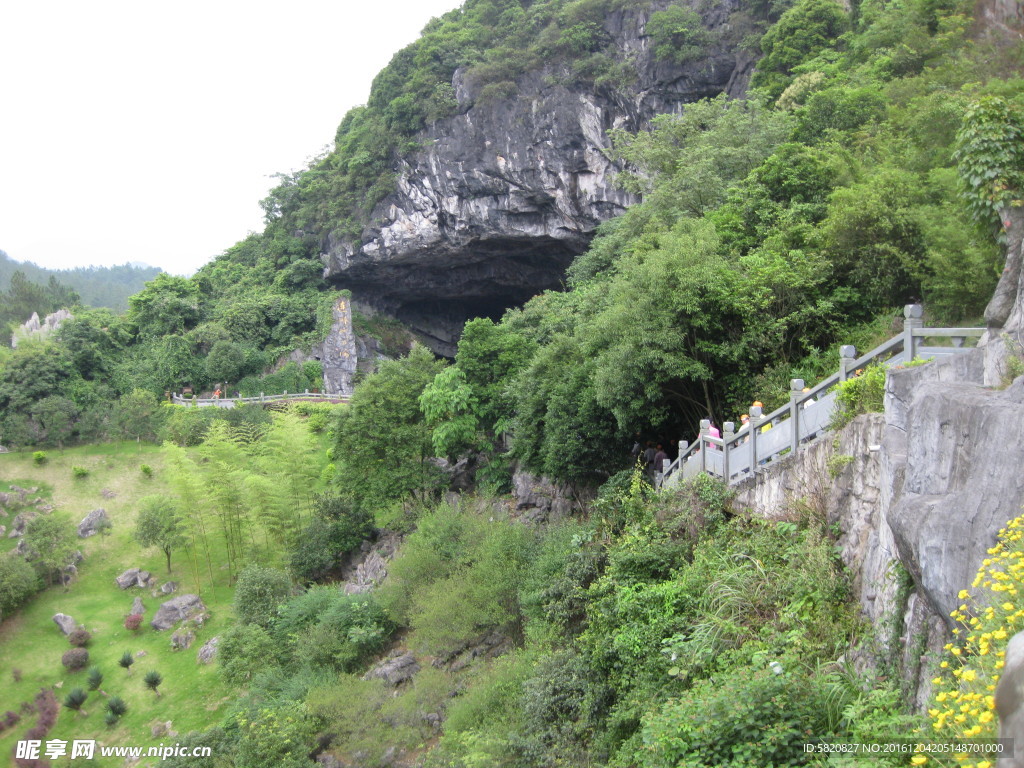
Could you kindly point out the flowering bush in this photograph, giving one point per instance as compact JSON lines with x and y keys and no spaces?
{"x":132,"y":621}
{"x":963,"y":705}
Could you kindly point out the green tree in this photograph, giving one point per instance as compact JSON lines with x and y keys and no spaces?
{"x":139,"y":415}
{"x":18,"y":582}
{"x":802,"y":32}
{"x":159,"y":524}
{"x":258,"y":592}
{"x":51,"y":540}
{"x":56,"y":417}
{"x":167,"y":305}
{"x":376,"y":465}
{"x":687,"y":162}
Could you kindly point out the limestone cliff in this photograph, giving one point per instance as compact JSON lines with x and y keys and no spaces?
{"x":503,"y":195}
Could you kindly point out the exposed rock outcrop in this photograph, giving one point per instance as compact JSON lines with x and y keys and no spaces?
{"x":370,"y":566}
{"x":506,"y":193}
{"x":177,"y":609}
{"x":395,"y":670}
{"x":338,"y":351}
{"x":133,"y":577}
{"x":93,"y":523}
{"x":208,"y":651}
{"x":39,"y":328}
{"x":65,"y":623}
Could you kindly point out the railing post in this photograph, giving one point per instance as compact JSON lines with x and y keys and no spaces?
{"x":847,"y":354}
{"x":796,"y":388}
{"x":755,"y":423}
{"x":705,"y":425}
{"x":912,"y":320}
{"x":261,"y":397}
{"x":728,"y":431}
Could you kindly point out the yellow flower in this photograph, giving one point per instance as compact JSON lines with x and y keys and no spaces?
{"x":963,"y":594}
{"x":985,"y":717}
{"x":918,"y":760}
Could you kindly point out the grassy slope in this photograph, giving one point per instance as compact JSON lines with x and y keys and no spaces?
{"x":193,"y":695}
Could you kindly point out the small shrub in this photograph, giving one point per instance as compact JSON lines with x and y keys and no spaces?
{"x":95,"y":678}
{"x":837,"y":463}
{"x":153,"y":680}
{"x":79,"y":472}
{"x":245,"y":650}
{"x":146,"y":470}
{"x":75,"y":699}
{"x":116,"y":706}
{"x":11,"y":719}
{"x":16,"y":675}
{"x":126,"y":661}
{"x":39,"y":458}
{"x":863,"y":393}
{"x":110,"y":719}
{"x":132,"y":621}
{"x":79,"y":638}
{"x":258,"y":593}
{"x":75,"y":659}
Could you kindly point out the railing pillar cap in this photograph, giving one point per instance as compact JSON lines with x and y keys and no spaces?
{"x":848,"y":351}
{"x":729,"y":427}
{"x":755,"y":412}
{"x":913,"y":311}
{"x":705,"y":423}
{"x":797,"y":385}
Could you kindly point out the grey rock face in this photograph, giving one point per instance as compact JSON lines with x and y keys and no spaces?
{"x":137,"y":607}
{"x":175,"y":610}
{"x":208,"y":651}
{"x":182,"y":639}
{"x":169,"y":587}
{"x":65,"y":623}
{"x":395,"y":670}
{"x":92,"y":523}
{"x":503,"y":195}
{"x":338,"y":352}
{"x":370,"y":567}
{"x":1010,"y":699}
{"x":958,"y":469}
{"x":19,"y":524}
{"x":133,"y":577}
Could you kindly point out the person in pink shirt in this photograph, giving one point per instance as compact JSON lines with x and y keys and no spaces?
{"x":713,"y":432}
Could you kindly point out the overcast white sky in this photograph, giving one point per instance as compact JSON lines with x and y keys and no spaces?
{"x":140,"y":131}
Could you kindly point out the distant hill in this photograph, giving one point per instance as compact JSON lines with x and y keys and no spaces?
{"x":97,"y":286}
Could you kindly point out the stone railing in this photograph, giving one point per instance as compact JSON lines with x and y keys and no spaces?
{"x":737,"y":454}
{"x":261,"y":399}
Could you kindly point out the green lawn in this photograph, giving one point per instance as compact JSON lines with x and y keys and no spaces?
{"x":192,"y":695}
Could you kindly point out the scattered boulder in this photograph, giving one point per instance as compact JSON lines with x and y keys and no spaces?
{"x":209,"y":651}
{"x":93,"y":523}
{"x":133,"y":577}
{"x":76,"y":558}
{"x":175,"y":610}
{"x":69,"y":574}
{"x":140,"y":654}
{"x":137,"y":607}
{"x":182,"y":639}
{"x":169,"y":587}
{"x":160,"y":730}
{"x":19,"y":524}
{"x":3,"y":530}
{"x":394,"y":670}
{"x":66,"y":623}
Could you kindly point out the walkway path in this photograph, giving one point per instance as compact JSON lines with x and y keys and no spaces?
{"x":261,"y":399}
{"x":807,"y":415}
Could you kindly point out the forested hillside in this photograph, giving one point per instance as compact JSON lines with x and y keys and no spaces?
{"x":389,"y":605}
{"x":96,"y":286}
